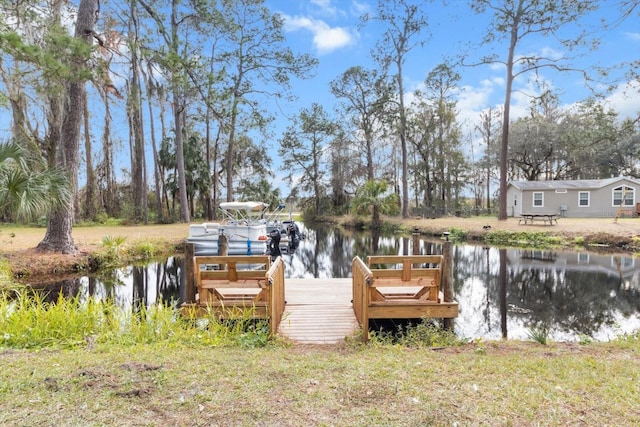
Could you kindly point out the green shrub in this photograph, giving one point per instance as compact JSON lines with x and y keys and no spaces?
{"x":536,"y":239}
{"x":457,"y":234}
{"x":143,"y":250}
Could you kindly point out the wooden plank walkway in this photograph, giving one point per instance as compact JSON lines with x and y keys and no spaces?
{"x":318,"y":311}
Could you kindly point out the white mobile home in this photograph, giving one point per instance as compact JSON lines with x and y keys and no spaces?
{"x":582,"y":198}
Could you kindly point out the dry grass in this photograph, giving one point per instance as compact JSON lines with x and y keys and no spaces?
{"x":17,"y":238}
{"x":19,"y":245}
{"x":571,"y":227}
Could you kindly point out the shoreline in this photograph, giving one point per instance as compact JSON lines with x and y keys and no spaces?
{"x":19,"y":242}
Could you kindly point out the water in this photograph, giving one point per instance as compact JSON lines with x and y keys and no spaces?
{"x":501,"y":292}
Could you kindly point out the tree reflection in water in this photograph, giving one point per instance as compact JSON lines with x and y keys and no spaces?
{"x":133,"y":286}
{"x":501,"y":292}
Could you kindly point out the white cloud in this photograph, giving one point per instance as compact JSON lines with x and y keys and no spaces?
{"x":359,"y":9}
{"x":325,"y":4}
{"x":551,"y":53}
{"x":625,"y":100}
{"x":497,"y":66}
{"x":325,"y":8}
{"x":635,"y":37}
{"x":474,"y":99}
{"x":325,"y":38}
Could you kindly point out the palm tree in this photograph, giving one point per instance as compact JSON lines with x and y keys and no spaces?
{"x":27,"y":188}
{"x":372,"y":198}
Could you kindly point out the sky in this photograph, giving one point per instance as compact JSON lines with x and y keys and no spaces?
{"x":328,"y":30}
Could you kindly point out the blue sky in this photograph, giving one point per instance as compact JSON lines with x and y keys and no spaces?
{"x":328,"y":30}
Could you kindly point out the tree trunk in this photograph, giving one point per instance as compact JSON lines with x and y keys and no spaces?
{"x":90,"y":202}
{"x":163,"y":132}
{"x":230,"y":154}
{"x":109,"y":198}
{"x":135,"y":111}
{"x":182,"y":182}
{"x":156,"y":163}
{"x":58,"y":237}
{"x":55,"y":113}
{"x":18,"y":103}
{"x":137,"y":160}
{"x":504,"y":156}
{"x":403,"y":145}
{"x":178,"y":110}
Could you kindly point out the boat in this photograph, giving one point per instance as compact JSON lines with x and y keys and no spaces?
{"x":244,"y":226}
{"x":284,"y":236}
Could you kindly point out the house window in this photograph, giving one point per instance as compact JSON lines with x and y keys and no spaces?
{"x":622,"y":262}
{"x":538,"y":199}
{"x":583,"y":199}
{"x":623,"y":195}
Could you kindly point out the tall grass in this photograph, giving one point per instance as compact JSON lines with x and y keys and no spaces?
{"x":5,"y":273}
{"x":115,"y":252}
{"x":424,"y":334}
{"x":28,"y":321}
{"x":539,"y":334}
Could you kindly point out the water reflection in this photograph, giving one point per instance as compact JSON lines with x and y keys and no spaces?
{"x":501,"y":292}
{"x":133,"y":286}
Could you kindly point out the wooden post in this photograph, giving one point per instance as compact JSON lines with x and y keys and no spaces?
{"x":189,"y":274}
{"x":223,"y":247}
{"x":447,"y":279}
{"x":223,"y":244}
{"x":416,"y":241}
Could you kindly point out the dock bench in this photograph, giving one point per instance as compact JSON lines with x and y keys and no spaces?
{"x":399,"y":287}
{"x":238,"y":286}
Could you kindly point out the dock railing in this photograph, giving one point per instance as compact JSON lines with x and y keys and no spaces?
{"x":361,"y":278}
{"x":399,"y":287}
{"x":238,"y":286}
{"x":275,"y":280}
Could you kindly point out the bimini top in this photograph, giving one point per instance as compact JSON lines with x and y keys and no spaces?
{"x":244,"y":206}
{"x":248,"y":212}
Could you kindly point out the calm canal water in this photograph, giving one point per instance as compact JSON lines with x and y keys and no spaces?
{"x":501,"y":292}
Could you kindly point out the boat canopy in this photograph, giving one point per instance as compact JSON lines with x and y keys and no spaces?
{"x":244,"y":206}
{"x":249,"y":212}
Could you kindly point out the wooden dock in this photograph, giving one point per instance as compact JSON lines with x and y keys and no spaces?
{"x":318,"y":311}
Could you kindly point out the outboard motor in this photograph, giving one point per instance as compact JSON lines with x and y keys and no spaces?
{"x":274,"y":244}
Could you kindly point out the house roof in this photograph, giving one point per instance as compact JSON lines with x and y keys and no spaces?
{"x":575,"y":184}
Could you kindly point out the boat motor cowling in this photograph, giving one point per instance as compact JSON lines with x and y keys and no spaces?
{"x":274,"y":243}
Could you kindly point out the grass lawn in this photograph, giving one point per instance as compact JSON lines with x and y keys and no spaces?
{"x":493,"y":383}
{"x":166,"y":382}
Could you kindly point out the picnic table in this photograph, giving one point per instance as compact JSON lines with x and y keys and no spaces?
{"x":546,"y":218}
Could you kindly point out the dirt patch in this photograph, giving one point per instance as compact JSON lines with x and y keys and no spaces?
{"x":38,"y":266}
